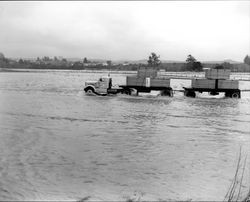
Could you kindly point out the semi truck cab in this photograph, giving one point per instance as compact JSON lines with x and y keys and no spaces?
{"x":99,"y":87}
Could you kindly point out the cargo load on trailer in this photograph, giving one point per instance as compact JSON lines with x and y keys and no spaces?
{"x":216,"y":81}
{"x":147,"y":80}
{"x":217,"y":74}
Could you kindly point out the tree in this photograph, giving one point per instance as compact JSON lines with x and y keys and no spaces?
{"x":153,"y":60}
{"x":192,"y":64}
{"x":109,"y":63}
{"x":21,"y":61}
{"x":77,"y":65}
{"x":2,"y":56}
{"x":85,"y":60}
{"x":190,"y":59}
{"x":3,"y":59}
{"x":46,"y":58}
{"x":247,"y":60}
{"x":219,"y":66}
{"x":197,"y":66}
{"x":64,"y":60}
{"x":227,"y":65}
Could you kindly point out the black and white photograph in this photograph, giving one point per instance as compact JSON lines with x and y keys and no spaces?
{"x":125,"y":101}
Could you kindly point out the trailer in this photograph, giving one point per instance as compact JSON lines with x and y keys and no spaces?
{"x":148,"y":84}
{"x":216,"y":81}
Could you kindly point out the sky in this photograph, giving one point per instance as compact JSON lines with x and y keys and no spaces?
{"x":126,"y":30}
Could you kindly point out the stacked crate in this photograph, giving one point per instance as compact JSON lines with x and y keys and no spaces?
{"x":135,"y":81}
{"x":217,"y":74}
{"x":144,"y":72}
{"x":144,"y":77}
{"x":203,"y":83}
{"x":216,"y":79}
{"x":228,"y":84}
{"x":211,"y":84}
{"x":153,"y":82}
{"x":160,"y":82}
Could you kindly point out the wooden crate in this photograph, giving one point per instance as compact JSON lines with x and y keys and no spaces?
{"x":144,"y":72}
{"x":203,"y":83}
{"x":244,"y":85}
{"x":217,"y":74}
{"x":157,"y":82}
{"x":135,"y":81}
{"x":151,"y":82}
{"x":228,"y":84}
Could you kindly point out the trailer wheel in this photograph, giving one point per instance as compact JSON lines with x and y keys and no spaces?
{"x":167,"y":92}
{"x":127,"y":91}
{"x":171,"y":93}
{"x":236,"y":95}
{"x":189,"y":93}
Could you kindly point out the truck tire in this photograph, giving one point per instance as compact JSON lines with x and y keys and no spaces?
{"x":189,"y":93}
{"x":127,"y":91}
{"x":235,"y":95}
{"x":167,"y":92}
{"x":90,"y":90}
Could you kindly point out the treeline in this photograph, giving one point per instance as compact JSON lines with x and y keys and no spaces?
{"x":191,"y":64}
{"x":239,"y":67}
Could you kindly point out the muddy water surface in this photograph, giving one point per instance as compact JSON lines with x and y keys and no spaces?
{"x":58,"y":144}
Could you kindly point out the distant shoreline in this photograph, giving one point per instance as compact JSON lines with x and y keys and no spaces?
{"x":181,"y":74}
{"x":16,"y":66}
{"x":67,"y":70}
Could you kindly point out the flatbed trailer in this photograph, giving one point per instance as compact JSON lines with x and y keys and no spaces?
{"x":232,"y":93}
{"x":147,"y":80}
{"x":216,"y":81}
{"x":214,"y":86}
{"x":165,"y":91}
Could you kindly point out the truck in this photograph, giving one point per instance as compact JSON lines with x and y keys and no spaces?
{"x":146,"y":80}
{"x":103,"y":86}
{"x":216,"y":83}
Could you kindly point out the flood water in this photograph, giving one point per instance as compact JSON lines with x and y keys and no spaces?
{"x":59,"y":144}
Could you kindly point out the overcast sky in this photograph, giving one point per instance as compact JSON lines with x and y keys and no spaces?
{"x":209,"y":30}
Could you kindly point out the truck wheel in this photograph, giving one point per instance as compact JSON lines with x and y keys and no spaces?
{"x":89,"y":90}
